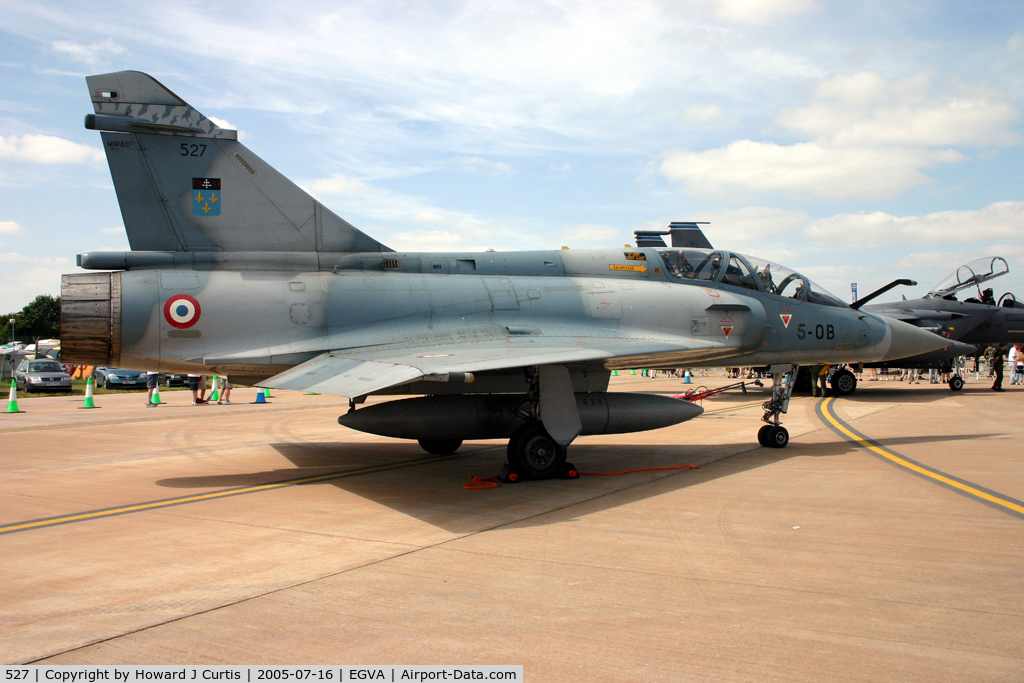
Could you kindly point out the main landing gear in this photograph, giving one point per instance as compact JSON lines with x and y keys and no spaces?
{"x":532,"y":452}
{"x":773,"y":434}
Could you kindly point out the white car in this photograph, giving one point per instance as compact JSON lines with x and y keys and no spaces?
{"x":44,"y":374}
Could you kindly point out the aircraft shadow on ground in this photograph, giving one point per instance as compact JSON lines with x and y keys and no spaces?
{"x":433,"y":493}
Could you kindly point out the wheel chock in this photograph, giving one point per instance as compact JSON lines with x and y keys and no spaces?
{"x":568,"y":471}
{"x":507,"y":476}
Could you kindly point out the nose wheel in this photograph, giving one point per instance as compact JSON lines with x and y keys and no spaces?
{"x":773,"y":434}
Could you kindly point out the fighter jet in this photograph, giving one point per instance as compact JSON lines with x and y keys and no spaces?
{"x":975,"y":320}
{"x":235,"y":270}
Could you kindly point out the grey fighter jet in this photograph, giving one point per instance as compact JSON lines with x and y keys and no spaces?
{"x":980,"y":319}
{"x":236,"y":270}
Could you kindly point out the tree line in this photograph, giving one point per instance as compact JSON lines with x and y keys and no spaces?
{"x":38,"y":320}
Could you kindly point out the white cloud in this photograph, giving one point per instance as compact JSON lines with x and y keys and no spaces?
{"x":761,"y":11}
{"x":456,"y":228}
{"x":709,"y":112}
{"x":804,"y":168}
{"x":999,"y":221}
{"x":47,"y":149}
{"x":433,"y":240}
{"x":341,"y":185}
{"x":26,"y":277}
{"x":864,"y":109}
{"x":10,"y":228}
{"x":473,"y":164}
{"x":593,"y":236}
{"x":740,"y":228}
{"x":92,"y":54}
{"x":932,"y":260}
{"x":872,"y":138}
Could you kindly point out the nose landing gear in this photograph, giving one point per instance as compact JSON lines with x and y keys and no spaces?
{"x":773,"y":434}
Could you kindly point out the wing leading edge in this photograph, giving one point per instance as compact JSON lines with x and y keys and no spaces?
{"x":357,"y":372}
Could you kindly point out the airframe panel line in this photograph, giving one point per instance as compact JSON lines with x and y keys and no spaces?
{"x":213,"y":495}
{"x":993,"y":499}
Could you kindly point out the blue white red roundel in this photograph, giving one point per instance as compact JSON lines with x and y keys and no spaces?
{"x":182,"y":311}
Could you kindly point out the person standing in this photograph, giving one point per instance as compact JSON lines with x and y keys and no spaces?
{"x":1019,"y":363}
{"x":1012,"y":357}
{"x":225,"y":394}
{"x":152,"y":380}
{"x":197,"y":383}
{"x":997,"y":367}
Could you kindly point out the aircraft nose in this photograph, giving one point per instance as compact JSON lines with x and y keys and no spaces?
{"x":907,"y":340}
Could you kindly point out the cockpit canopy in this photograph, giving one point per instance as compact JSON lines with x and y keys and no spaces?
{"x":728,"y":268}
{"x":970,"y":275}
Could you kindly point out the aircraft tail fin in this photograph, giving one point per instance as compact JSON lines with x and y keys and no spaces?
{"x":186,"y":184}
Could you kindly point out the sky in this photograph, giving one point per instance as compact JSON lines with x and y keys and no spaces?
{"x":852,"y":141}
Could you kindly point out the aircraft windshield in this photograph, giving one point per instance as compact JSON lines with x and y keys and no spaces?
{"x":970,"y":275}
{"x":778,"y":280}
{"x":819,"y":295}
{"x":744,"y":271}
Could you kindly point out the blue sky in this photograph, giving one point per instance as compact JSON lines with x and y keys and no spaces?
{"x":856,"y":142}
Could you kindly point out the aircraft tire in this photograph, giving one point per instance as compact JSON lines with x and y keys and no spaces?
{"x":956,"y":383}
{"x":440,"y":446}
{"x":762,"y":436}
{"x":534,"y":454}
{"x":843,"y":383}
{"x":777,"y":437}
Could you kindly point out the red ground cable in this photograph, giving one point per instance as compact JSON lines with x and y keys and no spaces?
{"x":478,"y":483}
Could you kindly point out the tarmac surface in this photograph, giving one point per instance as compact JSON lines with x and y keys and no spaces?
{"x":886,"y":542}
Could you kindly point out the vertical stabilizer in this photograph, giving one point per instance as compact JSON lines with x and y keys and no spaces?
{"x":185,"y":184}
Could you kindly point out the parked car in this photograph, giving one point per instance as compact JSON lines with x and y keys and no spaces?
{"x":42,"y":375}
{"x":173,"y":379}
{"x":116,"y":378}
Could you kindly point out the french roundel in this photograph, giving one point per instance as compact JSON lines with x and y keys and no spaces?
{"x":182,"y":311}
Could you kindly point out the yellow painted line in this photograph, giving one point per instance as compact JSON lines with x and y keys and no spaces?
{"x":913,"y":467}
{"x":110,"y":512}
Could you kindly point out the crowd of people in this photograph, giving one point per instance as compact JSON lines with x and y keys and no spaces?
{"x":196,"y":384}
{"x":995,"y":359}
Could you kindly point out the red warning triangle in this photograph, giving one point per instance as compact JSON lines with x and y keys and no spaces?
{"x":727,"y":330}
{"x":786,"y":317}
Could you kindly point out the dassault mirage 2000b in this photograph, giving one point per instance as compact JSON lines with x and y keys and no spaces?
{"x":236,"y":270}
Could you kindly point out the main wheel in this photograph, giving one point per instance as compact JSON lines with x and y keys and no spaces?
{"x":440,"y":446}
{"x":778,"y":437}
{"x":843,"y":383}
{"x":762,"y":436}
{"x":956,"y":382}
{"x":533,"y":453}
